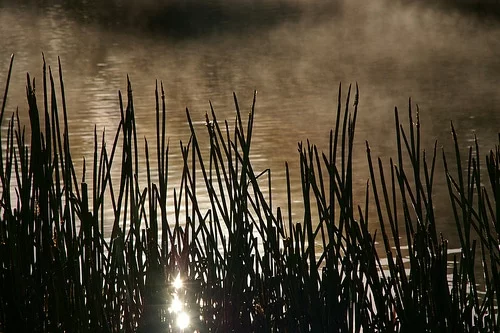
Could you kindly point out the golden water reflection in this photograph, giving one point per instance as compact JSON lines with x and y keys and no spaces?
{"x":445,"y":60}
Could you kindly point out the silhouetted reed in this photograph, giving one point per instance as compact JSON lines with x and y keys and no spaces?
{"x":240,"y":265}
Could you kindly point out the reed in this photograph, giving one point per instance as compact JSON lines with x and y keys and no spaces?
{"x":241,"y":264}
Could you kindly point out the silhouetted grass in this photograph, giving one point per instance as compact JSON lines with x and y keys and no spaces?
{"x":245,"y":266}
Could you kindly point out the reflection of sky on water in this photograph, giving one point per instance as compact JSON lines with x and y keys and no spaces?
{"x":445,"y":60}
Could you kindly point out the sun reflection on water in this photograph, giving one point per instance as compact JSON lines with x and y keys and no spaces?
{"x":177,"y":304}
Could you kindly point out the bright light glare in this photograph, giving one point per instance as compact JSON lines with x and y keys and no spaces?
{"x":183,"y":320}
{"x":178,"y":282}
{"x":176,"y":305}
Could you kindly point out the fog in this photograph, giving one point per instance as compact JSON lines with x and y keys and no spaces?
{"x":293,"y":52}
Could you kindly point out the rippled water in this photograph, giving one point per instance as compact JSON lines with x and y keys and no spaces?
{"x":294,"y":53}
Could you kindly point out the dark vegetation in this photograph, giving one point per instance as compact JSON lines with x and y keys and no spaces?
{"x":179,"y":19}
{"x":246,"y":265}
{"x":484,"y":9}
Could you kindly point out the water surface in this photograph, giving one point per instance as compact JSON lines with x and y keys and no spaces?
{"x":294,"y":53}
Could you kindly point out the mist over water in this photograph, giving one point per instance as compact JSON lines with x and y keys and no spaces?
{"x":294,"y":53}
